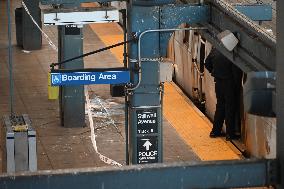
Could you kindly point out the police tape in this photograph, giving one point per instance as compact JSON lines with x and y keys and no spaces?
{"x":93,"y":136}
{"x":112,"y":122}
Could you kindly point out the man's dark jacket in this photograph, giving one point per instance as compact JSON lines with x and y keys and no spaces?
{"x":218,"y":65}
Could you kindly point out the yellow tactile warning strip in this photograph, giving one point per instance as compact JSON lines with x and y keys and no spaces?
{"x":191,"y":125}
{"x":110,"y":33}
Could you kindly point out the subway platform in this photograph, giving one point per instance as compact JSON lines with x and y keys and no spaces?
{"x":185,"y":128}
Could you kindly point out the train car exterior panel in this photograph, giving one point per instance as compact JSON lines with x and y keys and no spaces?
{"x":258,"y":133}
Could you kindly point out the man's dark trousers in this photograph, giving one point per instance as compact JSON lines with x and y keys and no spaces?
{"x":225,"y":108}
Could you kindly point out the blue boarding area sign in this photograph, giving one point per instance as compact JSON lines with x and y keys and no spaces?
{"x":89,"y":78}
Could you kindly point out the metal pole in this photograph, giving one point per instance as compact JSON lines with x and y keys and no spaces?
{"x":162,"y":89}
{"x":280,"y":90}
{"x":124,"y":26}
{"x":10,"y":60}
{"x":126,"y":127}
{"x":124,"y":37}
{"x":151,"y":31}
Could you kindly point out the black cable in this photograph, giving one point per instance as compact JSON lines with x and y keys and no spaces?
{"x":93,"y":52}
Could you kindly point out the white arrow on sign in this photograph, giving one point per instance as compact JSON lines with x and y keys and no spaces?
{"x":147,"y":145}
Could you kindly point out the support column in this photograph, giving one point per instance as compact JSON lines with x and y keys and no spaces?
{"x":145,"y":115}
{"x":71,"y":98}
{"x":32,"y":38}
{"x":280,"y":90}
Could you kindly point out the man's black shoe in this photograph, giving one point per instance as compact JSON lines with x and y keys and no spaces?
{"x":214,"y":135}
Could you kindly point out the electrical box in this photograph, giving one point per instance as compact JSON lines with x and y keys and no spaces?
{"x":117,"y":90}
{"x":166,"y":71}
{"x":259,"y":91}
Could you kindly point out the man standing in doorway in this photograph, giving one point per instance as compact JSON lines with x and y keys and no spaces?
{"x":222,"y":69}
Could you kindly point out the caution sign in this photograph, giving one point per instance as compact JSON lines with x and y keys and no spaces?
{"x":147,"y":149}
{"x":147,"y":121}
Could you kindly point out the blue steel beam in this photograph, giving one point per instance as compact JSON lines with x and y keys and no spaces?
{"x":214,"y":174}
{"x":146,"y":97}
{"x":256,"y":50}
{"x":256,"y":12}
{"x":134,"y":2}
{"x":172,"y":16}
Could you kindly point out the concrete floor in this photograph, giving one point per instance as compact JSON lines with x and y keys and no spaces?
{"x":58,"y":147}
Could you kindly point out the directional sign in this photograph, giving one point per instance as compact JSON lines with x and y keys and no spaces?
{"x":147,"y":149}
{"x":147,"y":145}
{"x":147,"y":121}
{"x":88,"y":78}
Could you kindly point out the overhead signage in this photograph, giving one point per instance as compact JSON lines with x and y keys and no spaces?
{"x":89,"y":78}
{"x":147,"y":149}
{"x":147,"y":121}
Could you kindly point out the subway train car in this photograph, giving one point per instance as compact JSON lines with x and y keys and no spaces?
{"x":188,"y":50}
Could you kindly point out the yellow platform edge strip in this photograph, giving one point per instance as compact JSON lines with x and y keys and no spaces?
{"x":181,"y":114}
